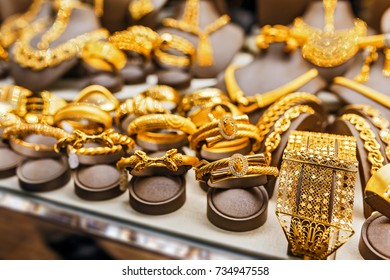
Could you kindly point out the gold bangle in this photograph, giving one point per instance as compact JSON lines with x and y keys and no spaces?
{"x":213,"y":112}
{"x":316,"y":192}
{"x":113,"y":142}
{"x":171,"y":160}
{"x":161,"y":121}
{"x":199,"y":98}
{"x":236,"y":166}
{"x":275,"y":111}
{"x":281,"y":126}
{"x":368,"y":92}
{"x":80,"y":111}
{"x":378,"y":121}
{"x":160,"y":138}
{"x":98,"y":96}
{"x":163,"y":94}
{"x":140,"y":8}
{"x":370,"y":143}
{"x":249,"y":104}
{"x":103,"y":56}
{"x":179,"y":44}
{"x":379,"y":184}
{"x":16,"y":133}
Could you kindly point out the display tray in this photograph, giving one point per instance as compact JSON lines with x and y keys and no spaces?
{"x":188,"y":225}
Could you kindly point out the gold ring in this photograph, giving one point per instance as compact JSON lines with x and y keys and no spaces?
{"x":161,"y":121}
{"x":99,"y":96}
{"x":103,"y":55}
{"x":171,"y":160}
{"x":170,"y":41}
{"x":213,"y":112}
{"x":75,"y":112}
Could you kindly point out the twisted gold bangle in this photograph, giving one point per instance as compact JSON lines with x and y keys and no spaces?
{"x":179,"y":44}
{"x":275,"y":111}
{"x":103,"y":56}
{"x":281,"y":126}
{"x":370,"y":143}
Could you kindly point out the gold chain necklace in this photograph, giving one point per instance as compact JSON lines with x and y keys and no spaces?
{"x":190,"y":24}
{"x":64,"y":12}
{"x":140,"y":8}
{"x":13,"y":26}
{"x":29,"y":57}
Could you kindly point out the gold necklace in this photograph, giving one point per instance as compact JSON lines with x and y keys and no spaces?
{"x":29,"y":57}
{"x":140,"y":8}
{"x":13,"y":26}
{"x":190,"y":24}
{"x":249,"y":104}
{"x":64,"y":12}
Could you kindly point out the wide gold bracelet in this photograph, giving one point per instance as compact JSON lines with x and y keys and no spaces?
{"x":281,"y":126}
{"x":236,"y":166}
{"x":226,"y":129}
{"x":103,"y":56}
{"x":161,"y":121}
{"x":371,"y":145}
{"x":368,"y":92}
{"x":316,"y":191}
{"x":111,"y":142}
{"x":249,"y":104}
{"x":170,"y":41}
{"x":275,"y":111}
{"x":378,"y":121}
{"x":98,"y":96}
{"x":75,"y":112}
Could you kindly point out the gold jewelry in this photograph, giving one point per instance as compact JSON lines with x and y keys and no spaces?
{"x":16,"y":133}
{"x":98,"y":96}
{"x":99,"y":8}
{"x":386,"y":67}
{"x":161,"y":121}
{"x":213,"y":112}
{"x":140,"y":8}
{"x":199,"y":98}
{"x":113,"y":142}
{"x":379,"y":121}
{"x":139,"y":39}
{"x":103,"y":56}
{"x":370,"y":93}
{"x":79,"y":111}
{"x":28,"y":57}
{"x":13,"y":26}
{"x":249,"y":104}
{"x":370,"y":143}
{"x":9,"y":119}
{"x":315,"y":198}
{"x":163,"y":94}
{"x":171,"y":160}
{"x":179,"y":44}
{"x":15,"y":95}
{"x":371,"y":56}
{"x":236,"y":166}
{"x":275,"y":111}
{"x":226,"y":129}
{"x":190,"y":24}
{"x":281,"y":126}
{"x":379,"y":184}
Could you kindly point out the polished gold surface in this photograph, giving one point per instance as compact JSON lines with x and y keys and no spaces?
{"x":316,"y":192}
{"x":99,"y":96}
{"x":379,"y":184}
{"x":140,"y":8}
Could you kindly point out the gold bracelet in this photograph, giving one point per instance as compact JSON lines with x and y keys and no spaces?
{"x":163,"y":94}
{"x":161,"y":121}
{"x":113,"y":142}
{"x":370,"y":143}
{"x":99,"y":96}
{"x":379,"y":184}
{"x":275,"y":111}
{"x":179,"y":44}
{"x":316,"y":192}
{"x":171,"y":160}
{"x":16,"y":133}
{"x":379,"y":121}
{"x":9,"y":119}
{"x":15,"y":95}
{"x":213,"y":112}
{"x":281,"y":126}
{"x":103,"y":56}
{"x":199,"y":98}
{"x":236,"y":166}
{"x":79,"y":111}
{"x":370,"y":93}
{"x":140,"y":8}
{"x":226,"y":129}
{"x":249,"y":104}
